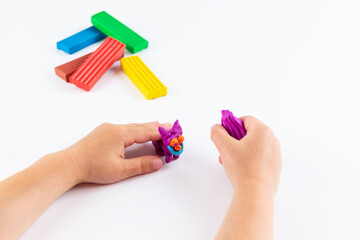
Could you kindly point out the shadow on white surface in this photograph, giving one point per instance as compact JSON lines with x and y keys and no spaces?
{"x":138,"y":150}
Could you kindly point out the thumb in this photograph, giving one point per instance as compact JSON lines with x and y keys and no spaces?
{"x":221,"y":138}
{"x":142,"y":165}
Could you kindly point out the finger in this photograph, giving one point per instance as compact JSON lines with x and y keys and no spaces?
{"x":141,"y":165}
{"x":221,"y":138}
{"x":251,"y":123}
{"x":220,"y":160}
{"x":138,"y":124}
{"x":141,"y":133}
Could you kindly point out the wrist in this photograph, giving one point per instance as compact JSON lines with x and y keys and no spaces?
{"x":68,"y":165}
{"x":258,"y":187}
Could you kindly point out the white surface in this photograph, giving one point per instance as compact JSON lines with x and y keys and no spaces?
{"x":293,"y":64}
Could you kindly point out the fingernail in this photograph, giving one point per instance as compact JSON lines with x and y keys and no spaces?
{"x":157,"y":163}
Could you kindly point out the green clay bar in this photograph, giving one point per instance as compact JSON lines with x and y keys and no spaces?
{"x":115,"y":29}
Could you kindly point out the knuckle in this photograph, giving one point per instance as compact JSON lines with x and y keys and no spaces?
{"x":105,"y":125}
{"x":213,"y":133}
{"x":112,"y":130}
{"x":251,"y":118}
{"x":151,"y":129}
{"x":120,"y":129}
{"x":144,"y":166}
{"x":136,"y":167}
{"x":267,"y":132}
{"x":131,"y":169}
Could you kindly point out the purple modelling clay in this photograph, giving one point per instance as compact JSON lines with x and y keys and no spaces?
{"x":233,"y":125}
{"x":171,"y":145}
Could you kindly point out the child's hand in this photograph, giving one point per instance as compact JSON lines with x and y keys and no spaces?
{"x":100,"y":155}
{"x":256,"y":157}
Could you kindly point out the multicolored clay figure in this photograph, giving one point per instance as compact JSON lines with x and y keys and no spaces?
{"x":233,"y":125}
{"x":171,"y":145}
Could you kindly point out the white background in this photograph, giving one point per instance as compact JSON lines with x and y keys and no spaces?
{"x":293,"y":64}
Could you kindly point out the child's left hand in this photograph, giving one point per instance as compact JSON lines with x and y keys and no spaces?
{"x":100,"y":158}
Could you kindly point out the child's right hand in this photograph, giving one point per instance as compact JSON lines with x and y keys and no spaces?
{"x":254,"y":158}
